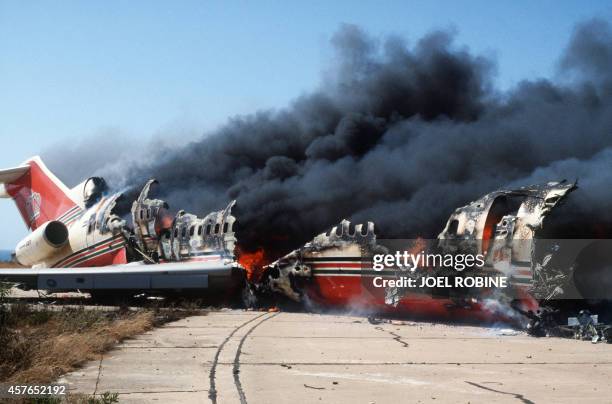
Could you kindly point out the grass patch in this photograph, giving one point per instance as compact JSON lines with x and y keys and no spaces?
{"x":105,"y":398}
{"x":39,"y":345}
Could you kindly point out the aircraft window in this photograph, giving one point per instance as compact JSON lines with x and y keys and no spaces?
{"x":142,"y":214}
{"x":191,"y":230}
{"x":224,"y":227}
{"x":217,"y":228}
{"x":364,"y":230}
{"x":453,"y":226}
{"x":148,"y":213}
{"x":208,"y":229}
{"x":175,"y":233}
{"x":184,"y":232}
{"x":199,"y":230}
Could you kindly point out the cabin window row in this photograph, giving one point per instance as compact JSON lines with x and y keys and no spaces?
{"x":208,"y":230}
{"x":146,"y":213}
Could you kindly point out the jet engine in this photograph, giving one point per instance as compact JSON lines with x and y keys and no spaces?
{"x":42,"y":243}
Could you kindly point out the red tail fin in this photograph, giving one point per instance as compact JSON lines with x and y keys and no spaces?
{"x":39,"y":195}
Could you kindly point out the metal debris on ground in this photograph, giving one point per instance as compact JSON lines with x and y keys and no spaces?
{"x":585,"y":326}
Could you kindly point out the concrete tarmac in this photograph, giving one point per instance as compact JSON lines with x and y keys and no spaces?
{"x":233,"y":356}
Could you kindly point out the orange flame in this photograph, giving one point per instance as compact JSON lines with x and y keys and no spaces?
{"x":416,"y":246}
{"x":253,"y":262}
{"x":419,"y":244}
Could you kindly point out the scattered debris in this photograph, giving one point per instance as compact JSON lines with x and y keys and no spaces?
{"x":313,"y":387}
{"x":585,"y":326}
{"x":375,"y":320}
{"x":507,"y":332}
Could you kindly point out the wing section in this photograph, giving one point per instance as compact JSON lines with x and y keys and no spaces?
{"x":220,"y":274}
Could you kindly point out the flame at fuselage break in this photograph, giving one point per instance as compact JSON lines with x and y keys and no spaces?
{"x":253,"y":262}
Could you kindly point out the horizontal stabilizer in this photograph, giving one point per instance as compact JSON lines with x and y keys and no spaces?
{"x":9,"y":175}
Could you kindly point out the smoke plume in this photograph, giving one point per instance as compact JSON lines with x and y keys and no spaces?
{"x":401,"y":135}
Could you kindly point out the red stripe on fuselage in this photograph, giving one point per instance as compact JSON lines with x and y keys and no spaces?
{"x":112,"y":257}
{"x":321,"y":265}
{"x":86,"y":251}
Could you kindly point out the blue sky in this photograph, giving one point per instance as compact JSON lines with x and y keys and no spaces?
{"x":70,"y":70}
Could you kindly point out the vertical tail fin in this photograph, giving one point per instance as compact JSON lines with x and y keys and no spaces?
{"x":39,"y":195}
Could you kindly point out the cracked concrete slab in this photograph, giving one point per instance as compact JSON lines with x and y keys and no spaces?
{"x":431,"y":383}
{"x":298,"y":357}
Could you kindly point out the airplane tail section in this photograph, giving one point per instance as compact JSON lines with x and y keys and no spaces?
{"x":39,"y":195}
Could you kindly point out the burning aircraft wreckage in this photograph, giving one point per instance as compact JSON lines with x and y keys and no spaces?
{"x":88,"y":245}
{"x":81,"y":240}
{"x":336,"y":268}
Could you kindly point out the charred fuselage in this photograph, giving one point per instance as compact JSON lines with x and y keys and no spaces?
{"x":502,"y":226}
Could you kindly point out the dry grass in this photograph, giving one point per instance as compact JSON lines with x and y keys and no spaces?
{"x":39,"y":346}
{"x":57,"y":351}
{"x":8,"y":264}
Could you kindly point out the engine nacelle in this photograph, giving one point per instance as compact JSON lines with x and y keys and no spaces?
{"x":42,"y":243}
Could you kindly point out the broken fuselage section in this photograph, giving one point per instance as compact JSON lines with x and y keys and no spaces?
{"x":335,"y":268}
{"x":503,"y":226}
{"x":161,"y":252}
{"x":161,"y":237}
{"x":328,"y":269}
{"x":158,"y":237}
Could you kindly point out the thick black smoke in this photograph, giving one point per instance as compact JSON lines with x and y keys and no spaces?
{"x":401,"y":136}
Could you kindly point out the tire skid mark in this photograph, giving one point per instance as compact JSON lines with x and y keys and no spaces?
{"x":236,"y":369}
{"x":212,"y":392}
